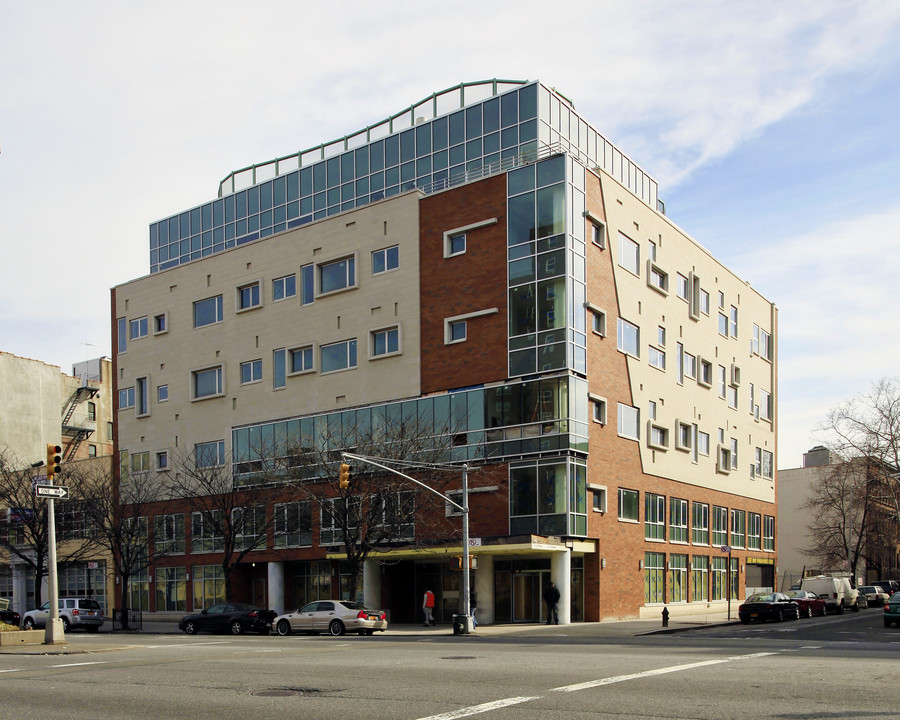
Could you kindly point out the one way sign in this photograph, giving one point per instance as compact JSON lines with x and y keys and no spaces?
{"x":60,"y":492}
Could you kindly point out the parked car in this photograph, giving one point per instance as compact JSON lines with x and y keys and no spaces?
{"x":768,"y":606}
{"x":892,"y":610}
{"x":808,"y":603}
{"x":874,"y":594}
{"x":74,"y":612}
{"x":10,"y":617}
{"x":332,"y":616}
{"x":889,"y":586}
{"x":835,"y":591}
{"x":235,"y":618}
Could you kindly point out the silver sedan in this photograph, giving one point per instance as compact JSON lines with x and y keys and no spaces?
{"x":334,"y":617}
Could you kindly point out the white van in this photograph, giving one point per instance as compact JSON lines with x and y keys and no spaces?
{"x":835,"y":591}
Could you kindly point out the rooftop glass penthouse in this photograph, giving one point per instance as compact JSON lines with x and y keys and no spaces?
{"x":454,"y":136}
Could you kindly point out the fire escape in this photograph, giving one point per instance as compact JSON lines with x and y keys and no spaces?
{"x":76,"y":434}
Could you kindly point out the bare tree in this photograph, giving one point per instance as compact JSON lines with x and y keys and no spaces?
{"x":119,"y":515}
{"x":24,"y":533}
{"x":226,"y":518}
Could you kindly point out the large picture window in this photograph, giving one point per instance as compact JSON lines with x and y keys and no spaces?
{"x":208,"y":311}
{"x":338,"y":356}
{"x":337,"y":275}
{"x":206,"y":383}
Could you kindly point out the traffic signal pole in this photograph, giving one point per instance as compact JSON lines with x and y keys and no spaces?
{"x":464,"y":509}
{"x":53,"y":630}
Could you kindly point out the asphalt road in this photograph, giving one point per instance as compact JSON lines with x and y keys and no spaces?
{"x":834,"y":667}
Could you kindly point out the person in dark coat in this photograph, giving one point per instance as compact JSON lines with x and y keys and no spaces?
{"x":551,"y":597}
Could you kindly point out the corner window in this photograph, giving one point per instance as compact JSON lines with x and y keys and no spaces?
{"x":301,"y":360}
{"x":284,"y":287}
{"x":337,"y":275}
{"x":248,"y":296}
{"x":338,"y":356}
{"x":251,"y":371}
{"x":206,"y":383}
{"x":208,"y":311}
{"x":138,"y":328}
{"x":386,"y":259}
{"x":385,"y":342}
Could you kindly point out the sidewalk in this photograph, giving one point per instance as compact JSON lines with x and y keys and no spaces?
{"x":78,"y":643}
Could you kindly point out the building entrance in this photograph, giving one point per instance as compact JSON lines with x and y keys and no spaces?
{"x":519,"y":590}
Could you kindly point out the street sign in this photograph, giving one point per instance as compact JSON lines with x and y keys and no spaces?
{"x":60,"y":492}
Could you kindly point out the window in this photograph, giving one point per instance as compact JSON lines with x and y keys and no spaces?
{"x":142,"y":396}
{"x":654,"y":517}
{"x":761,"y":343}
{"x":162,"y":460}
{"x":763,"y":467}
{"x":678,"y":578}
{"x":599,"y":499}
{"x":302,"y":360}
{"x":169,"y":533}
{"x":723,"y":325}
{"x":162,"y":393}
{"x":769,"y":533}
{"x":307,"y":284}
{"x":121,"y":327}
{"x":456,"y":331}
{"x":700,"y":523}
{"x":704,"y":302}
{"x":629,"y":419}
{"x":723,"y":464}
{"x":738,"y":529}
{"x":732,"y":397}
{"x":92,"y":451}
{"x":690,"y":366}
{"x":629,"y":254}
{"x":140,"y":462}
{"x":656,"y":358}
{"x":657,"y":436}
{"x":684,"y":436}
{"x":721,"y":300}
{"x":333,"y":516}
{"x":126,"y":398}
{"x":284,"y":287}
{"x":719,"y":526}
{"x":703,"y":443}
{"x":208,"y":311}
{"x":681,"y":286}
{"x":337,"y":275}
{"x":733,"y":322}
{"x":385,"y":342}
{"x":598,"y":233}
{"x":386,"y":259}
{"x":654,"y":576}
{"x":628,"y":505}
{"x":92,"y":411}
{"x":723,"y":381}
{"x":704,"y":376}
{"x":293,"y":524}
{"x":598,"y":320}
{"x":699,"y":577}
{"x":734,"y":453}
{"x":455,"y":245}
{"x":719,"y":565}
{"x":754,"y":529}
{"x":651,"y":409}
{"x":251,"y":371}
{"x":279,"y":368}
{"x":209,"y":454}
{"x":658,"y":279}
{"x":248,"y":296}
{"x":138,"y":328}
{"x":599,"y":404}
{"x":160,"y":324}
{"x":171,"y":589}
{"x":206,"y":383}
{"x":249,"y":525}
{"x":209,"y":587}
{"x":207,"y":531}
{"x":678,"y":520}
{"x":765,"y":405}
{"x":628,"y":338}
{"x":338,"y":356}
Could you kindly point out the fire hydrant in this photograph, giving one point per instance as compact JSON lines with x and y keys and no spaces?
{"x":665,"y":617}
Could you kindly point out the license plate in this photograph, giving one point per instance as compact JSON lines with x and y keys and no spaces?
{"x":753,"y":615}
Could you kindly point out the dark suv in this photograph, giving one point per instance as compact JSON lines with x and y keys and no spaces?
{"x":74,"y":613}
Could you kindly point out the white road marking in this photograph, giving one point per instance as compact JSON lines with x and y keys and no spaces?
{"x":11,"y":670}
{"x":476,"y":709}
{"x":98,"y":662}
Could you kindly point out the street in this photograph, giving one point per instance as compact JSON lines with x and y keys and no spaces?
{"x":832,"y":667}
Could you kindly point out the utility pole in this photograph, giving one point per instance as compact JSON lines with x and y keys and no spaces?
{"x":53,"y":631}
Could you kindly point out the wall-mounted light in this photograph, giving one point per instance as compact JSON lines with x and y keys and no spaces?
{"x":640,"y":564}
{"x":602,"y":563}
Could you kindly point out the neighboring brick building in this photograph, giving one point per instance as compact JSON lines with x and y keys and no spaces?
{"x":617,"y":383}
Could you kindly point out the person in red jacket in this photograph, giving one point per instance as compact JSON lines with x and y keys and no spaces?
{"x":428,"y":607}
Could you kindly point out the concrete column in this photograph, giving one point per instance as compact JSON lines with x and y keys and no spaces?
{"x":484,"y":587}
{"x":20,"y":590}
{"x":561,"y":574}
{"x":371,"y":581}
{"x":275,"y":571}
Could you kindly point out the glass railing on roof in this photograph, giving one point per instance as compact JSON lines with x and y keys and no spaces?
{"x":428,"y":108}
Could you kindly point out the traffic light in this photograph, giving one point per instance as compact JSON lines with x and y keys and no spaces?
{"x":344,"y":477}
{"x":54,"y":458}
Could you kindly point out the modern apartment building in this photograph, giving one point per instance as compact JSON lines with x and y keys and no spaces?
{"x":41,"y":405}
{"x":483,"y":260}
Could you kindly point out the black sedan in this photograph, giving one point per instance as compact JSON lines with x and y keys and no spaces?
{"x":234,"y":618}
{"x":768,"y":606}
{"x":10,"y":617}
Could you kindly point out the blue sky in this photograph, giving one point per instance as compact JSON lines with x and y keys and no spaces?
{"x":771,"y":127}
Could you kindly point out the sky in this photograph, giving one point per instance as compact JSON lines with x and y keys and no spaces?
{"x":770,"y":126}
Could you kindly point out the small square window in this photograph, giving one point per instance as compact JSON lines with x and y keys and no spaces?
{"x":162,"y":460}
{"x":598,"y":234}
{"x":160,"y":323}
{"x":251,"y":371}
{"x":456,"y":331}
{"x":162,"y":393}
{"x":599,"y":408}
{"x":598,"y":321}
{"x":456,"y":244}
{"x":248,"y":296}
{"x":301,"y":359}
{"x":385,"y":260}
{"x":385,"y":342}
{"x":284,"y":287}
{"x":138,"y":328}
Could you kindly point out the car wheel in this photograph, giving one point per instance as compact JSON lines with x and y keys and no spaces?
{"x":336,"y":627}
{"x":856,"y":607}
{"x":65,"y":623}
{"x":840,"y":608}
{"x":28,"y":624}
{"x":283,"y":628}
{"x":796,"y":612}
{"x":236,"y":628}
{"x":808,"y":611}
{"x":779,"y":616}
{"x":190,"y":628}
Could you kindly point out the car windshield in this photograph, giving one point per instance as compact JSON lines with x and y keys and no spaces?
{"x":761,"y":598}
{"x":89,"y":604}
{"x":796,"y":594}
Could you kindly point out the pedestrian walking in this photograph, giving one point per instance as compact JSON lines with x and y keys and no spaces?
{"x":473,"y":605}
{"x":551,"y":597}
{"x":428,"y":607}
